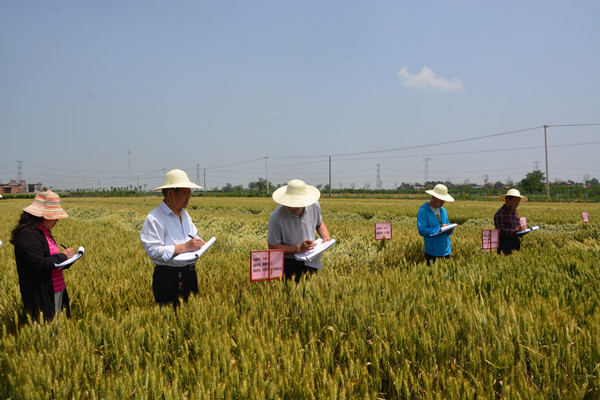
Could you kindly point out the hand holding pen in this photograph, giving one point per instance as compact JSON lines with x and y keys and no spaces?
{"x":69,"y":252}
{"x":194,"y":244}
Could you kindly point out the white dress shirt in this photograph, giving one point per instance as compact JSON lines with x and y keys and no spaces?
{"x":162,"y":230}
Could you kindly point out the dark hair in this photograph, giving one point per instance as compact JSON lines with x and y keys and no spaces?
{"x":27,"y":220}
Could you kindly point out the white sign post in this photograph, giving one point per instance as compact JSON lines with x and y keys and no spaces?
{"x":383,"y":230}
{"x":490,"y":239}
{"x":585,"y":216}
{"x":266,"y":265}
{"x":523,"y":221}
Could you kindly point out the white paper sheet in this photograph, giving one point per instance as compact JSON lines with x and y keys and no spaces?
{"x":444,"y":229}
{"x":315,"y":252}
{"x":533,"y":228}
{"x":71,"y":260}
{"x":194,"y":255}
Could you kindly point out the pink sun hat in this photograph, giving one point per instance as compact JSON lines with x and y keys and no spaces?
{"x":47,"y":205}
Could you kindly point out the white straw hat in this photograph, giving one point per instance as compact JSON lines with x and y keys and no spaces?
{"x":296,"y":194}
{"x":177,"y":178}
{"x":441,"y":192}
{"x":513,"y":193}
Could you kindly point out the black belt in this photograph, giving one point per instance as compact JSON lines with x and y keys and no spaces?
{"x":189,"y":267}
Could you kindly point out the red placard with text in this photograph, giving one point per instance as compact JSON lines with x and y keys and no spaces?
{"x":266,"y":265}
{"x":383,"y":230}
{"x":490,"y":239}
{"x":585,"y":216}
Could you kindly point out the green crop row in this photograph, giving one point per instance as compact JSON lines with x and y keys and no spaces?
{"x":376,"y":322}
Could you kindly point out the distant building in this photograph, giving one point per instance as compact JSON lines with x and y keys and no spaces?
{"x":20,"y":186}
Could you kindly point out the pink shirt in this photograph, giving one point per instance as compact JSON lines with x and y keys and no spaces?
{"x":58,"y":280}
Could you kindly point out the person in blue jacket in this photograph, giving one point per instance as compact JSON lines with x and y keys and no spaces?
{"x":430,"y":219}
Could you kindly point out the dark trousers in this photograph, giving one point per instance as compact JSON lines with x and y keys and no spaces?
{"x":508,"y":244}
{"x":294,"y":269}
{"x":171,"y":283}
{"x":431,"y":259}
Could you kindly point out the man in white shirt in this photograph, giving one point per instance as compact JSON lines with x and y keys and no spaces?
{"x":167,"y":232}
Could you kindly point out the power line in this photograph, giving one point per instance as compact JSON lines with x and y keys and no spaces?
{"x":572,"y":125}
{"x":418,"y":146}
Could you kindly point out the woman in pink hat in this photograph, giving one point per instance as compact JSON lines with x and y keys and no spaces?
{"x":42,"y":284}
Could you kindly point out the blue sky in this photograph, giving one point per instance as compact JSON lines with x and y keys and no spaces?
{"x":220,"y":85}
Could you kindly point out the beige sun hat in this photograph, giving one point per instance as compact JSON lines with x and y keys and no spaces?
{"x":177,"y":178}
{"x":47,"y":205}
{"x":513,"y":193}
{"x":296,"y":194}
{"x":441,"y":192}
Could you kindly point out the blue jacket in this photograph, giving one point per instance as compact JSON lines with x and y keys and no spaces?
{"x":439,"y":245}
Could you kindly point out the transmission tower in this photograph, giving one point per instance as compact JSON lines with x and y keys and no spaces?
{"x":129,"y":166}
{"x":426,"y":176}
{"x":378,"y":178}
{"x":19,"y":170}
{"x":197,"y":174}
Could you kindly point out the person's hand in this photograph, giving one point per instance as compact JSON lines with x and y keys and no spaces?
{"x":326,"y":239}
{"x":521,"y":228}
{"x":69,"y":252}
{"x":193,"y":245}
{"x":306,"y":246}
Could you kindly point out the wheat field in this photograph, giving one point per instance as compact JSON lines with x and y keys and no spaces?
{"x":375,"y":323}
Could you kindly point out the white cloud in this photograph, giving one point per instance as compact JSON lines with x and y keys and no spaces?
{"x":273,"y":113}
{"x":427,"y":78}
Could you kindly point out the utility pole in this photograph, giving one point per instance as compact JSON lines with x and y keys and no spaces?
{"x":329,"y":176}
{"x":267,"y":173}
{"x":129,"y":166}
{"x":197,"y":174}
{"x":547,"y":178}
{"x":204,"y":182}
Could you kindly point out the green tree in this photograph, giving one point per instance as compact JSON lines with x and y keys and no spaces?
{"x":260,"y":185}
{"x":533,"y":182}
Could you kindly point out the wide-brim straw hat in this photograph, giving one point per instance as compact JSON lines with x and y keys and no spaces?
{"x":441,"y":192}
{"x":177,"y":178}
{"x":296,"y":194}
{"x":47,"y":205}
{"x":513,"y":193}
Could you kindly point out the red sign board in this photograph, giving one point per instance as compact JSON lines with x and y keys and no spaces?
{"x":383,"y":230}
{"x":266,"y":265}
{"x":490,"y":239}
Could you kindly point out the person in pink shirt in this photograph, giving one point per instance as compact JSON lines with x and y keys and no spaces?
{"x":42,"y":284}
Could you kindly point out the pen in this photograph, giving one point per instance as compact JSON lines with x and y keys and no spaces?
{"x":191,"y":236}
{"x":64,"y":247}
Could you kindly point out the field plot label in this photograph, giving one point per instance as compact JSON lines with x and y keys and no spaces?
{"x":490,"y":239}
{"x":523,"y":221}
{"x":266,"y":265}
{"x":383,"y":230}
{"x":585,"y":216}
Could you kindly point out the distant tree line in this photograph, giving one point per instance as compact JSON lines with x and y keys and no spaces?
{"x":534,"y":184}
